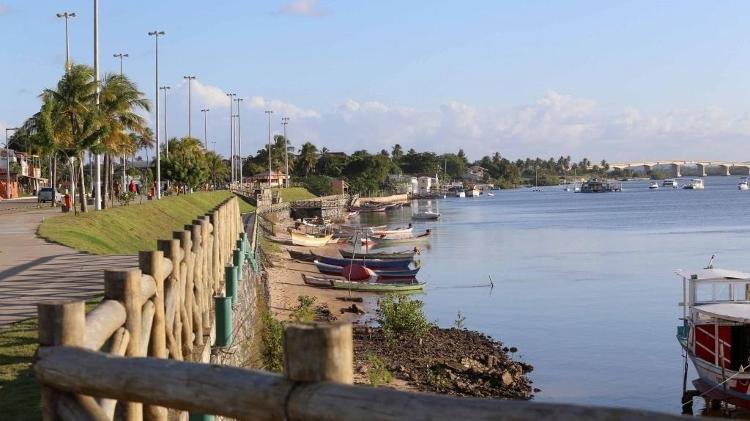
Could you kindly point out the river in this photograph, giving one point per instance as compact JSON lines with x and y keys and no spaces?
{"x":584,"y":284}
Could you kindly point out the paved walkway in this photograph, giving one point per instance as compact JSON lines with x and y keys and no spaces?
{"x":33,"y":270}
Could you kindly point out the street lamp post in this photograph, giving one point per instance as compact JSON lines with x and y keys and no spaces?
{"x":156,"y":35}
{"x":67,"y":15}
{"x":190,"y":99}
{"x":205,"y":127}
{"x":98,"y":189}
{"x":239,"y":141}
{"x":231,"y":134}
{"x":120,"y":56}
{"x":269,"y":112}
{"x":166,"y":138}
{"x":7,"y":162}
{"x":284,"y":122}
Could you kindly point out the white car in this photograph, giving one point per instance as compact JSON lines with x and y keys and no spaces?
{"x":48,"y":194}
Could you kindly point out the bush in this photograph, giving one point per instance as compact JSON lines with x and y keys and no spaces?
{"x":319,"y":185}
{"x":304,"y":312}
{"x":272,"y":337}
{"x":400,"y":315}
{"x":377,"y":373}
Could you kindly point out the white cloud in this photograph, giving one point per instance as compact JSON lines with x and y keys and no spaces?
{"x":283,"y":109}
{"x":206,"y":95}
{"x":303,"y":8}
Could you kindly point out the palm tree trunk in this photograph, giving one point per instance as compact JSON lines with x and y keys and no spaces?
{"x":82,"y":184}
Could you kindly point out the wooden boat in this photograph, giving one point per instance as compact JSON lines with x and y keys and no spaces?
{"x":394,"y":233}
{"x":408,"y":254}
{"x":367,"y":209}
{"x":304,"y":256}
{"x":426,"y":215}
{"x":716,"y":325}
{"x":317,"y":281}
{"x":387,"y":242}
{"x":383,"y":273}
{"x":356,"y":229}
{"x":377,"y":287}
{"x":371,"y":263}
{"x":300,"y":239}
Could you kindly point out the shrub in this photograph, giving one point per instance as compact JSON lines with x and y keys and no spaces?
{"x":272,"y":339}
{"x":378,"y":374}
{"x":399,"y":315}
{"x":304,"y":312}
{"x":460,"y":319}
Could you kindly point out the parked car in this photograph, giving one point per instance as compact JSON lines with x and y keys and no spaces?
{"x":48,"y":194}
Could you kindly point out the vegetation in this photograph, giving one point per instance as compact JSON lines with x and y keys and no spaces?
{"x":272,"y":342}
{"x":129,"y":229}
{"x":304,"y":312}
{"x":400,"y":315}
{"x":460,"y":320}
{"x":377,"y":372}
{"x":293,"y":194}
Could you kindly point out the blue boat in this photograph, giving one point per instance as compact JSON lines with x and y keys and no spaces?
{"x":370,"y":263}
{"x":382,"y":273}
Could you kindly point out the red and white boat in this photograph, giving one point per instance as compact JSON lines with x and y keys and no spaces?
{"x":716,"y":332}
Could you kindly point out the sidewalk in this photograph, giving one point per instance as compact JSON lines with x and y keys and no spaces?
{"x":33,"y":270}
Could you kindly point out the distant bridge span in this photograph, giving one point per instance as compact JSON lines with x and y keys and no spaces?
{"x":675,"y":167}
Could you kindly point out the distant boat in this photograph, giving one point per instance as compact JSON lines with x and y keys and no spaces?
{"x":393,"y":234}
{"x":474,"y":192}
{"x":386,"y":242}
{"x":377,"y":286}
{"x":654,"y":185}
{"x":695,"y":184}
{"x":300,"y":239}
{"x":670,"y":182}
{"x":461,"y":193}
{"x":491,"y":194}
{"x":389,"y":264}
{"x":595,"y":185}
{"x":356,"y":267}
{"x":743,"y":184}
{"x":426,"y":215}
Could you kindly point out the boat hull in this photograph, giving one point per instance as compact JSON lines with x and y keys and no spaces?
{"x":387,"y":242}
{"x":309,"y":240}
{"x":382,"y":273}
{"x":712,"y":381}
{"x":377,"y":287}
{"x":383,"y":256}
{"x":371,"y":263}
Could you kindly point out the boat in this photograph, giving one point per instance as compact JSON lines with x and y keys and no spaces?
{"x":426,"y":215}
{"x":461,"y":193}
{"x":654,"y":185}
{"x":409,"y":254}
{"x":367,"y":209}
{"x":670,"y":182}
{"x":371,"y":263}
{"x":355,"y":229}
{"x":304,"y":256}
{"x":394,"y":233}
{"x":491,"y":194}
{"x":347,"y":270}
{"x":743,"y":184}
{"x":387,"y":242}
{"x":377,"y":286}
{"x":300,"y":239}
{"x":474,"y":192}
{"x":715,"y":331}
{"x":594,"y":185}
{"x":695,"y":184}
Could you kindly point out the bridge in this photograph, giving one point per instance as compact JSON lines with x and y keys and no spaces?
{"x":676,"y":168}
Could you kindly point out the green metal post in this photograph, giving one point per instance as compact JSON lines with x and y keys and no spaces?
{"x":200,"y":417}
{"x":223,"y":307}
{"x":237,"y":262}
{"x":230,"y":282}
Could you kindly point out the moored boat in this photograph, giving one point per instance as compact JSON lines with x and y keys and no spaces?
{"x":654,"y":185}
{"x":715,"y":331}
{"x":743,"y":184}
{"x":426,"y":215}
{"x":397,"y":233}
{"x":300,"y":239}
{"x":387,"y":242}
{"x":670,"y":182}
{"x":695,"y":184}
{"x":371,"y":263}
{"x":409,"y":254}
{"x":349,"y":270}
{"x":376,"y":286}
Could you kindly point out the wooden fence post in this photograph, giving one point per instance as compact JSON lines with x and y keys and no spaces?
{"x":125,"y":286}
{"x":319,"y":353}
{"x":172,"y":301}
{"x":186,"y":309}
{"x":150,"y":263}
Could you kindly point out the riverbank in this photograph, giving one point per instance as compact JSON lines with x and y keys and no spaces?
{"x":451,"y":361}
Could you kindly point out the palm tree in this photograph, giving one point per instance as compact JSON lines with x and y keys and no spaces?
{"x":73,"y":118}
{"x":308,"y":156}
{"x":218,"y":170}
{"x":118,"y":101}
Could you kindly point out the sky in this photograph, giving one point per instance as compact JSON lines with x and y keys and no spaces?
{"x":626,"y":80}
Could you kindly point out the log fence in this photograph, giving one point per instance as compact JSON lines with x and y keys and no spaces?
{"x":137,"y":354}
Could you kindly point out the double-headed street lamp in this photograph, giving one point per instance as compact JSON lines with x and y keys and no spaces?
{"x":205,"y":127}
{"x":120,"y":56}
{"x":239,"y":141}
{"x":166,"y":138}
{"x":269,"y":112}
{"x":190,"y":99}
{"x":67,"y":15}
{"x":7,"y":161}
{"x":156,"y":35}
{"x":284,"y":122}
{"x":231,"y":133}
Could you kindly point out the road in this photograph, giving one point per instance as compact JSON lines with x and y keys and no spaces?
{"x":21,"y":204}
{"x":33,"y":270}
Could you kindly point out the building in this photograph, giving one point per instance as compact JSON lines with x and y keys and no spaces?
{"x":475,"y":173}
{"x":339,"y":187}
{"x":25,"y":173}
{"x":403,"y":184}
{"x":276,"y":179}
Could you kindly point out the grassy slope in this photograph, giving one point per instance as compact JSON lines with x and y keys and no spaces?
{"x":129,"y":229}
{"x":294,"y":193}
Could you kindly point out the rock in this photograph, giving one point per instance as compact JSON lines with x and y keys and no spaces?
{"x":507,"y":378}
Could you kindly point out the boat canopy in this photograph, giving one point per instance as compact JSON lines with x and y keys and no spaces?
{"x":735,"y":312}
{"x":715,"y":274}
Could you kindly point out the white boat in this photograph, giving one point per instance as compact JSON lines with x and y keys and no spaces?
{"x":301,"y":239}
{"x":695,"y":184}
{"x":428,"y":215}
{"x":473,"y":192}
{"x":491,"y":194}
{"x":394,"y":234}
{"x":743,"y":184}
{"x":654,"y":185}
{"x":461,"y":193}
{"x":670,"y":182}
{"x":714,"y":332}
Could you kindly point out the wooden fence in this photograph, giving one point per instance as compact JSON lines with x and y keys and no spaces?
{"x":140,"y":347}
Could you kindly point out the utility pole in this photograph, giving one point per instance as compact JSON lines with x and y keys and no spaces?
{"x":98,"y":189}
{"x":190,"y":107}
{"x":121,"y":56}
{"x":205,"y":127}
{"x":166,"y":138}
{"x":284,"y":122}
{"x":7,"y":162}
{"x":269,"y":112}
{"x":156,"y":35}
{"x":67,"y":15}
{"x":239,"y":142}
{"x":231,"y":134}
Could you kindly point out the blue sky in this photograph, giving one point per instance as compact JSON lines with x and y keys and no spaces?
{"x":615,"y":80}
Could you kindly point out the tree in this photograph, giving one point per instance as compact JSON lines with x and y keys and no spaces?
{"x":185,"y":164}
{"x":218,"y":169}
{"x":397,"y":153}
{"x":308,"y":156}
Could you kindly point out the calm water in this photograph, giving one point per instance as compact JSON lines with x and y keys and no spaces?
{"x":584,"y":283}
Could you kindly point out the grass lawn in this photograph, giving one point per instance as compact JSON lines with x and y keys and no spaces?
{"x":19,"y":391}
{"x":293,"y":194}
{"x":133,"y":228}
